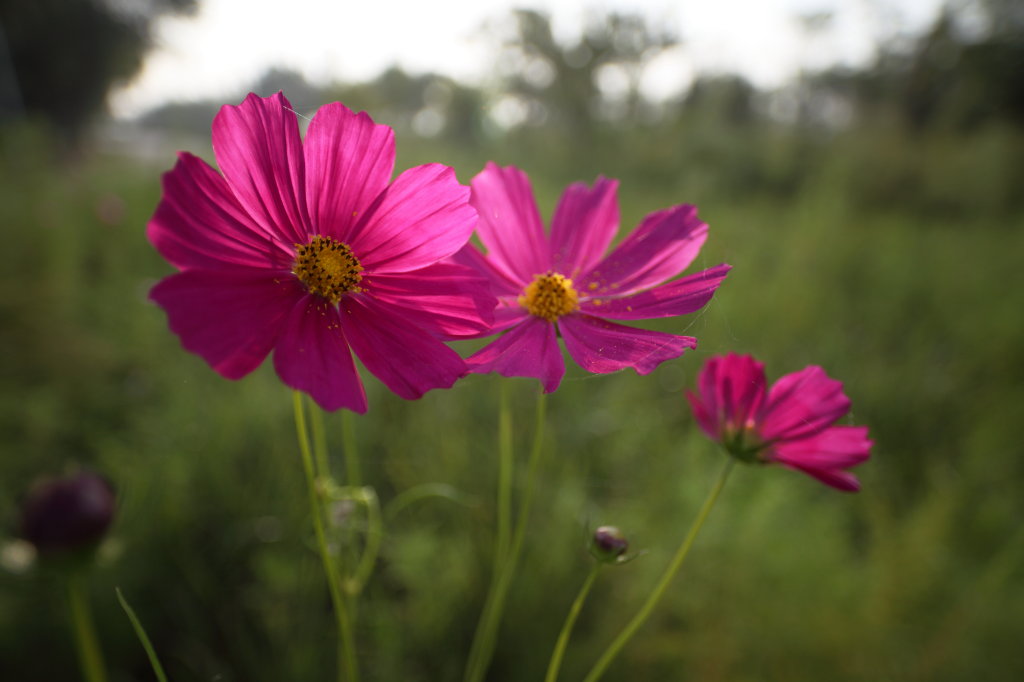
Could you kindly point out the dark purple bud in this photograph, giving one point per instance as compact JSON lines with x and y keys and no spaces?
{"x":67,"y":514}
{"x":608,"y":544}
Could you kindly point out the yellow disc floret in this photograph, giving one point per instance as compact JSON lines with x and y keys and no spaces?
{"x":550,"y":296}
{"x":327,"y":268}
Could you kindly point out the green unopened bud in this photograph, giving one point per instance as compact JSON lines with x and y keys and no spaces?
{"x":608,"y":544}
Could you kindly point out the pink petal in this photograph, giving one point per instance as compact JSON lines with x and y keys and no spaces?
{"x":200,"y":224}
{"x":447,"y":299}
{"x":840,"y":480}
{"x":510,"y":226}
{"x":600,"y":346}
{"x":731,"y":390}
{"x":231,"y":318}
{"x":802,"y":404}
{"x":349,"y":161}
{"x":259,"y":150}
{"x":471,"y":257}
{"x":422,"y":218}
{"x":838,"y":447}
{"x":584,"y":224}
{"x":679,"y":297}
{"x":408,"y":360}
{"x":664,"y":244}
{"x":313,"y":356}
{"x":527,"y":350}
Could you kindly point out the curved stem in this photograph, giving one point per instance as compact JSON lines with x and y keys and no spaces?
{"x":570,"y":621}
{"x":90,"y":656}
{"x":424,"y":491}
{"x":348,"y":668}
{"x":487,"y":628}
{"x":659,"y":590}
{"x":375,"y":531}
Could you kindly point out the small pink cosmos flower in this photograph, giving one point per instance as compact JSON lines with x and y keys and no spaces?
{"x":562,"y":283}
{"x":310,"y":250}
{"x":791,"y":424}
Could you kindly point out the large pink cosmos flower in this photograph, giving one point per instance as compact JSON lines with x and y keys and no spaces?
{"x":310,"y":250}
{"x":790,"y":424}
{"x":564,"y":284}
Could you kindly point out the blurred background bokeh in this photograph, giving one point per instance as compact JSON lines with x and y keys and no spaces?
{"x":870,"y":195}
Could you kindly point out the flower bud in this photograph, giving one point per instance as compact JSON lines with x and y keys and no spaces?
{"x":67,"y":514}
{"x":608,"y":544}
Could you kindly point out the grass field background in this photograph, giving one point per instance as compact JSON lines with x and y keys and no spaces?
{"x":918,"y":577}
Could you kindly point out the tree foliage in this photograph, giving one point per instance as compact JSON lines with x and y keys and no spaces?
{"x":64,"y":55}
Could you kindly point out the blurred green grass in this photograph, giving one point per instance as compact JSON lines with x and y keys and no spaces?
{"x":916,"y":578}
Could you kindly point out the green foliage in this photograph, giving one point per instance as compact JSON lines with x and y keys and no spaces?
{"x":62,"y":56}
{"x":916,"y":311}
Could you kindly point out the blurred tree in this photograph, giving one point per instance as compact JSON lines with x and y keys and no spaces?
{"x":64,"y":55}
{"x":569,"y":86}
{"x":961,"y":74}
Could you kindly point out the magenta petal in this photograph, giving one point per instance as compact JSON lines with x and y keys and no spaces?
{"x":664,"y":244}
{"x":231,"y":318}
{"x":584,"y":224}
{"x":731,"y":390}
{"x":837,"y":447}
{"x":471,"y":257}
{"x":840,"y":480}
{"x":600,"y":346}
{"x":527,"y":350}
{"x":802,"y":404}
{"x":510,"y":226}
{"x":349,"y":161}
{"x":449,"y":300}
{"x":200,"y":224}
{"x":679,"y":297}
{"x":259,"y":150}
{"x":422,"y":218}
{"x":406,"y":359}
{"x":313,"y":356}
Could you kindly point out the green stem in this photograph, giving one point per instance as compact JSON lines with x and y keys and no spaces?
{"x":375,"y":531}
{"x":353,"y":475}
{"x":90,"y":656}
{"x":487,"y":629}
{"x":570,"y":621}
{"x":505,"y":463}
{"x":348,"y":670}
{"x":673,"y":568}
{"x":323,"y":463}
{"x":425,"y":491}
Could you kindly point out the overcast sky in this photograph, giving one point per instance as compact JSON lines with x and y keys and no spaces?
{"x":230,"y":43}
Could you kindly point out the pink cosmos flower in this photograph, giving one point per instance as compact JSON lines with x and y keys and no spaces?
{"x":790,"y":424}
{"x":310,"y":250}
{"x":562,"y":283}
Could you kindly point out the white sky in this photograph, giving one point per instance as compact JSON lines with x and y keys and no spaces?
{"x":230,"y":43}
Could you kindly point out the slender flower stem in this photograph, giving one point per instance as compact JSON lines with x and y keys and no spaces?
{"x":505,"y":463}
{"x":353,"y":475}
{"x":659,"y":590}
{"x":90,"y":656}
{"x":323,"y":463}
{"x":348,"y":667}
{"x":570,"y":621}
{"x":487,"y":628}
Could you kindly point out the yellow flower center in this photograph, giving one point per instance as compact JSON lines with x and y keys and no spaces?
{"x":327,"y":268}
{"x":550,"y":296}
